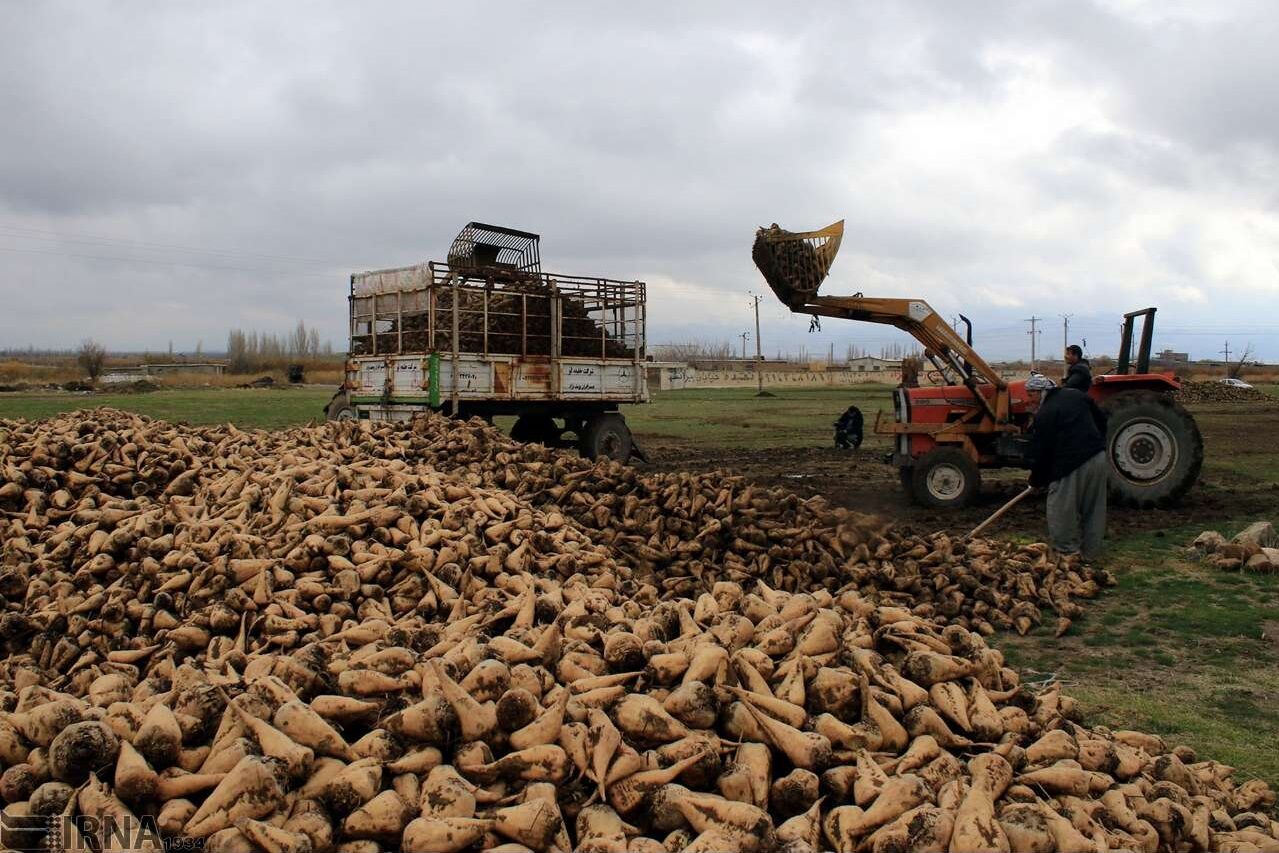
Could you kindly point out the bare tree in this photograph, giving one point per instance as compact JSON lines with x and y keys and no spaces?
{"x":1236,"y":369}
{"x":236,"y":351}
{"x":298,"y":341}
{"x":250,"y":351}
{"x":91,"y":356}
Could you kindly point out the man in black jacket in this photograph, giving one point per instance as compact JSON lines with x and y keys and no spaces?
{"x":1068,"y":453}
{"x":1078,"y":371}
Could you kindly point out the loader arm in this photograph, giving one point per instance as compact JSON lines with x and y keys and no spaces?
{"x":796,"y":263}
{"x":920,"y":321}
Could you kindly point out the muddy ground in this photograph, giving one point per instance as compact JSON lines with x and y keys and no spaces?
{"x":1238,"y":480}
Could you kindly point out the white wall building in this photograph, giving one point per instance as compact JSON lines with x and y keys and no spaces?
{"x":871,"y":364}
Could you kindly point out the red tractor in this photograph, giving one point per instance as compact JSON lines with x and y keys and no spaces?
{"x":945,"y":434}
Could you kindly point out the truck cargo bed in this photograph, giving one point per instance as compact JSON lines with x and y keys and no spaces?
{"x":440,"y":336}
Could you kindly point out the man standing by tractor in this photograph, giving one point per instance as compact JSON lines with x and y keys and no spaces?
{"x":1068,"y":453}
{"x":1078,"y":371}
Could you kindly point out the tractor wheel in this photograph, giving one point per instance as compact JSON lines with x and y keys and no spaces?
{"x":1154,"y":447}
{"x":945,"y":477}
{"x":535,"y":429}
{"x":340,"y":408}
{"x":606,"y":435}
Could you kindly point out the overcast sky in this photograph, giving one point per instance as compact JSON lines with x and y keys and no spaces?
{"x":171,"y":170}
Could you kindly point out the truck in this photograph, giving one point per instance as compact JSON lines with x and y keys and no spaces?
{"x":487,"y":333}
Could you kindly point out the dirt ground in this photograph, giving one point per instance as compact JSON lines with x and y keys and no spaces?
{"x":1238,"y":478}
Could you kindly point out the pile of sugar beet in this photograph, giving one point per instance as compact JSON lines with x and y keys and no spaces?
{"x":428,"y":638}
{"x":1219,"y":392}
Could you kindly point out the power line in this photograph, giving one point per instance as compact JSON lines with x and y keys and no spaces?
{"x":1034,"y":333}
{"x":759,"y":355}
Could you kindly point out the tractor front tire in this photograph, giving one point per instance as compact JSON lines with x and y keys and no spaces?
{"x":945,"y":478}
{"x":606,"y":435}
{"x":1154,"y":447}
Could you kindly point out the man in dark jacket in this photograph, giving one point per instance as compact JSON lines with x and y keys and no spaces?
{"x":1068,"y":453}
{"x":1078,"y":371}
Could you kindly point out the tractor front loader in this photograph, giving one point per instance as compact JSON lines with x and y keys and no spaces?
{"x":943,"y":435}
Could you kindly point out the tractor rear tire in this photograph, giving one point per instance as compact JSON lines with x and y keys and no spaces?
{"x":1154,"y":447}
{"x":945,"y":478}
{"x":536,"y":429}
{"x":606,"y":435}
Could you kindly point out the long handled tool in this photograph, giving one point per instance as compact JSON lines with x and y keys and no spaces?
{"x":999,"y":513}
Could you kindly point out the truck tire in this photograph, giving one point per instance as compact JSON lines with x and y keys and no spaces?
{"x":606,"y":435}
{"x":1154,"y":447}
{"x":536,"y":429}
{"x":340,"y":408}
{"x":946,"y":478}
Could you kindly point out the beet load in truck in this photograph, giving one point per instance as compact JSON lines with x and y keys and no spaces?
{"x":487,"y":333}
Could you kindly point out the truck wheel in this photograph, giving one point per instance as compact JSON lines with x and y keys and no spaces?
{"x":606,"y":435}
{"x":340,"y":408}
{"x":535,"y":429}
{"x":945,"y":477}
{"x":1154,"y":447}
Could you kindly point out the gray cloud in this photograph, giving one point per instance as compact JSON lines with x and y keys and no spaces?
{"x":994,"y":158}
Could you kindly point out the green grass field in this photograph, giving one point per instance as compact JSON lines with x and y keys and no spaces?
{"x":728,"y":417}
{"x":1177,"y":649}
{"x":268,"y":408}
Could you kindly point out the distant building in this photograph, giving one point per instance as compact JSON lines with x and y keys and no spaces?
{"x":1169,"y":355}
{"x":132,"y":374}
{"x":871,"y":364}
{"x":665,"y":375}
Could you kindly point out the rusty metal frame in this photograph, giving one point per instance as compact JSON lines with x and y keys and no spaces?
{"x":606,"y":302}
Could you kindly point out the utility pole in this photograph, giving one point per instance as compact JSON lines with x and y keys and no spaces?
{"x":1033,"y":334}
{"x":744,"y":336}
{"x":759,"y":356}
{"x":1226,"y":353}
{"x":1065,"y":331}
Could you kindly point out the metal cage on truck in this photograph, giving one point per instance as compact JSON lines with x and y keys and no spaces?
{"x":488,"y":333}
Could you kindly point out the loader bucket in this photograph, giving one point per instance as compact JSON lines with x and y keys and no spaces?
{"x":796,"y":263}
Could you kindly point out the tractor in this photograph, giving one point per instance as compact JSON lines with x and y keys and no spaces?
{"x":945,"y":434}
